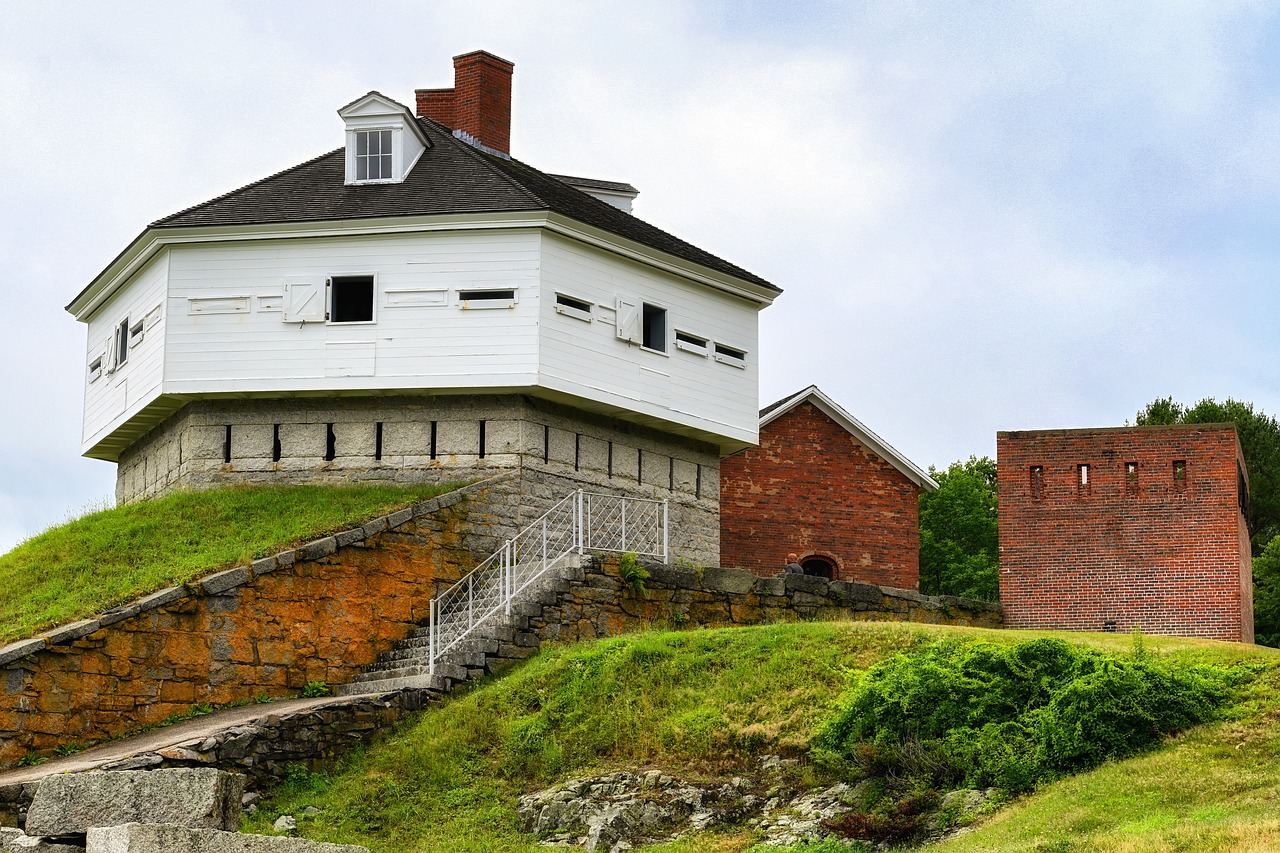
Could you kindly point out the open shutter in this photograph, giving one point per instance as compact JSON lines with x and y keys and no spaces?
{"x":628,"y":320}
{"x":304,"y":301}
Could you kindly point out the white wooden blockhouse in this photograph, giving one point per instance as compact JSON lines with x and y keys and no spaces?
{"x":416,"y":304}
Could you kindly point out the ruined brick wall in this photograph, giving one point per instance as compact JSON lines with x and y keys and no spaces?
{"x":1149,"y":535}
{"x":813,"y":489}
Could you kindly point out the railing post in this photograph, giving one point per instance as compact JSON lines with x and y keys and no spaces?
{"x":431,"y":637}
{"x":508,"y":572}
{"x":471,"y":610}
{"x":577,"y":520}
{"x":665,"y":528}
{"x":624,"y":525}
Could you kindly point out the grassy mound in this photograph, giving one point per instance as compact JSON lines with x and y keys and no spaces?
{"x":111,"y":557}
{"x":703,"y":704}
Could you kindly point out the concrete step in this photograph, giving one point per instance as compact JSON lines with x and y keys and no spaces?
{"x":443,"y":668}
{"x":438,"y":685}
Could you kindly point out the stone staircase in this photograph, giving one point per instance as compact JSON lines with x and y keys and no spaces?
{"x":501,"y":640}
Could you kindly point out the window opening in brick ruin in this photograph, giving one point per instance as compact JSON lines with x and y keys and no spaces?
{"x":653,"y":334}
{"x":1037,"y":482}
{"x":481,"y":439}
{"x":1083,"y":470}
{"x":275,"y":443}
{"x":1179,"y":473}
{"x":697,"y":482}
{"x":546,"y":443}
{"x":1242,"y":490}
{"x":377,"y":442}
{"x":818,"y":567}
{"x":1131,"y":476}
{"x":330,"y":444}
{"x":609,"y":461}
{"x":351,"y":299}
{"x":226,"y":447}
{"x":432,"y":449}
{"x":577,"y":450}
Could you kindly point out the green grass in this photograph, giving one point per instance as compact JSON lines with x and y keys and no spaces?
{"x":111,"y":557}
{"x":703,"y":703}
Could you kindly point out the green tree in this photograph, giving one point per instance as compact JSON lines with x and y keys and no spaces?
{"x":1259,"y":438}
{"x":959,"y":546}
{"x":1266,"y":594}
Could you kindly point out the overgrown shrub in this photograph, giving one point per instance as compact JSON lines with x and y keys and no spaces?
{"x":1011,"y":716}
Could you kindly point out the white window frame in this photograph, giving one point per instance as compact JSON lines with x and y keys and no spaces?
{"x":95,"y":367}
{"x":739,"y":362}
{"x":703,"y":349}
{"x":353,"y":159}
{"x":328,"y":299}
{"x":467,"y":302}
{"x":666,"y":328}
{"x":572,"y":310}
{"x":120,"y":346}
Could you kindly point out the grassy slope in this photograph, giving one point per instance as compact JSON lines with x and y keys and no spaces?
{"x":704,"y":702}
{"x":110,"y":557}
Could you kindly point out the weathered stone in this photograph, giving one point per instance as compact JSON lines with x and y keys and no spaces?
{"x":223,"y":581}
{"x":400,"y":517}
{"x":22,"y":843}
{"x":196,"y":797}
{"x":285,"y":824}
{"x":161,"y":598}
{"x":318,"y":549}
{"x":72,"y":632}
{"x":20,"y":649}
{"x":165,"y":838}
{"x":119,"y":614}
{"x":728,"y":580}
{"x":349,"y":537}
{"x":137,"y":762}
{"x":265,"y":566}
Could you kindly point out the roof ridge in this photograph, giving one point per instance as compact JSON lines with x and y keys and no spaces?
{"x":160,"y":222}
{"x":481,"y":157}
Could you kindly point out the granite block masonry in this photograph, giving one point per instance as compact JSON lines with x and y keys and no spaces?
{"x":163,"y":838}
{"x":202,"y":798}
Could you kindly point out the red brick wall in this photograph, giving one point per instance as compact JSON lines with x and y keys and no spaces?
{"x":812,"y":488}
{"x":479,"y":102}
{"x":1165,"y":554}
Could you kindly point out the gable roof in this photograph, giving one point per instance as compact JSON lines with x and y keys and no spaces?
{"x":450,"y":177}
{"x":853,"y":426}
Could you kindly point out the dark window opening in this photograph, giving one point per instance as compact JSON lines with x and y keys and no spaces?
{"x":577,"y":449}
{"x":433,"y":440}
{"x":1037,"y":482}
{"x":639,"y":465}
{"x":1131,"y":476}
{"x":691,"y":341}
{"x":609,"y":461}
{"x":731,"y":355}
{"x":1179,"y":473}
{"x":1242,"y":491}
{"x":546,"y":443}
{"x":122,"y":342}
{"x":226,"y":447}
{"x":351,"y":299}
{"x":653,"y":333}
{"x":482,"y":439}
{"x":671,"y":474}
{"x":486,"y":295}
{"x":377,"y":441}
{"x":818,"y":567}
{"x":572,"y":303}
{"x":697,"y":482}
{"x":330,"y":444}
{"x":275,"y":443}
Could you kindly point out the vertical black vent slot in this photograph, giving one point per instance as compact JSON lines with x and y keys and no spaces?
{"x":275,"y":443}
{"x":226,"y":447}
{"x":377,"y":442}
{"x":330,"y":444}
{"x":433,"y":439}
{"x":482,"y":439}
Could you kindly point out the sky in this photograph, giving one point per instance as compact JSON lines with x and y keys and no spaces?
{"x":985,"y":215}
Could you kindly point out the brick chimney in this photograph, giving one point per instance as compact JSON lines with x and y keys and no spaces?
{"x":479,"y":104}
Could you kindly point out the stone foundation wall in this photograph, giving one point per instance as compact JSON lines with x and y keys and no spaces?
{"x":410,"y":439}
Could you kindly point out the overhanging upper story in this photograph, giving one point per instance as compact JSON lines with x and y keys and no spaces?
{"x":419,"y":259}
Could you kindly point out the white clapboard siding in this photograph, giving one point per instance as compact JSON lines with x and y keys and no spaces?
{"x":117,"y":395}
{"x":415,"y":344}
{"x":589,"y":359}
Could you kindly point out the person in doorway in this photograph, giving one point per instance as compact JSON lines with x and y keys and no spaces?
{"x":793,"y":565}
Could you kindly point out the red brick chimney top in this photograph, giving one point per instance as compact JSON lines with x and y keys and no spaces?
{"x":479,"y":104}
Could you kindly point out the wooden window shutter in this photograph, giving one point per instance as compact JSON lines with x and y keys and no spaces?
{"x":303,"y":301}
{"x":628,"y":320}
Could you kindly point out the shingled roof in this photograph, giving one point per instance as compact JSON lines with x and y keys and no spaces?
{"x":450,"y":177}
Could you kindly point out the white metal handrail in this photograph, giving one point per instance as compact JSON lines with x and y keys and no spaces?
{"x":581,"y":522}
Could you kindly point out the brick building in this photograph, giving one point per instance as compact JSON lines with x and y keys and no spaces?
{"x":1116,"y":529}
{"x":823,"y":486}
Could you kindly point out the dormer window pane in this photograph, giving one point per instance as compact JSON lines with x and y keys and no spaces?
{"x":373,"y":155}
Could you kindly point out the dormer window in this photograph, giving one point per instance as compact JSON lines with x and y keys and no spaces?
{"x":374,"y":155}
{"x":384,"y":140}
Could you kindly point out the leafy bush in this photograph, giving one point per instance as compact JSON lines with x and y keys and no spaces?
{"x":1011,"y":716}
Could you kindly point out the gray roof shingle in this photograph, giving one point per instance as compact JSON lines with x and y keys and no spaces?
{"x":450,"y":177}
